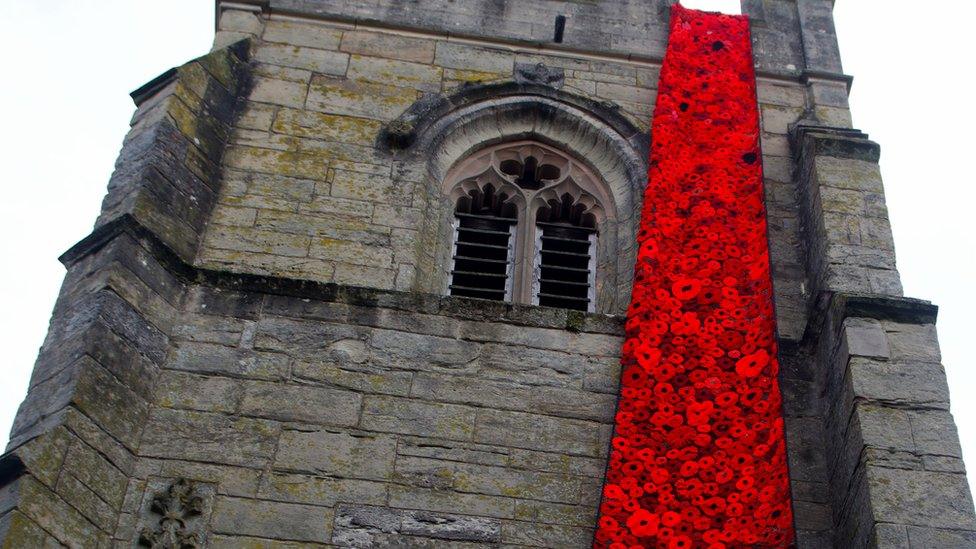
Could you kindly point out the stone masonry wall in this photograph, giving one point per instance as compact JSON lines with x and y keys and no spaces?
{"x":310,"y":193}
{"x":248,"y":339}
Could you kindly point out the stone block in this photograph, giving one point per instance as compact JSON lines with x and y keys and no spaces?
{"x":513,"y":396}
{"x":234,"y":217}
{"x":256,"y":116}
{"x":240,"y":21}
{"x":325,"y":491}
{"x":197,"y":392}
{"x":389,"y":46}
{"x":865,"y":338}
{"x":913,"y":342}
{"x":847,"y":173}
{"x":228,"y":480}
{"x":454,"y":451}
{"x":403,"y":74}
{"x":556,"y":463}
{"x":555,"y":513}
{"x":288,"y":163}
{"x":545,"y":433}
{"x":278,"y":72}
{"x":344,"y":373}
{"x":402,"y":217}
{"x":900,"y":384}
{"x":96,"y":473}
{"x":279,"y":92}
{"x":206,"y":358}
{"x":938,"y":538}
{"x":283,"y":521}
{"x":316,"y":125}
{"x":882,"y":427}
{"x":545,"y":535}
{"x":17,"y":530}
{"x":302,"y":339}
{"x":380,"y":101}
{"x":336,"y":453}
{"x":934,"y":432}
{"x":812,"y":516}
{"x":464,"y":56}
{"x":363,"y":276}
{"x":890,"y":536}
{"x":214,"y":438}
{"x":349,"y":252}
{"x":786,"y":96}
{"x":88,"y":503}
{"x":406,"y":497}
{"x":54,"y":515}
{"x":451,"y":527}
{"x":411,"y":351}
{"x":777,"y":119}
{"x":307,"y":34}
{"x":318,"y":61}
{"x":341,"y":207}
{"x":625,"y":93}
{"x":361,"y":186}
{"x":302,"y":403}
{"x":503,"y":481}
{"x":921,"y":498}
{"x":416,"y":417}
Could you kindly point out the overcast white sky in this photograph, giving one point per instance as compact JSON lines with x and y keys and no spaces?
{"x":68,"y":66}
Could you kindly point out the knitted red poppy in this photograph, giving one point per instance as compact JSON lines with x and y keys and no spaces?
{"x":698,"y":457}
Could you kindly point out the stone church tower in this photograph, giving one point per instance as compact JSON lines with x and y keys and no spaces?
{"x":268,"y":339}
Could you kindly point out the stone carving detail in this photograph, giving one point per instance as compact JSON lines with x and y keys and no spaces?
{"x":538,"y":73}
{"x":175,"y":515}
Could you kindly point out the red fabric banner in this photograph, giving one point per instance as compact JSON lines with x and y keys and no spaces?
{"x":698,"y":456}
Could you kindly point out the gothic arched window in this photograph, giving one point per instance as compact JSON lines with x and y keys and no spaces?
{"x":526,"y":227}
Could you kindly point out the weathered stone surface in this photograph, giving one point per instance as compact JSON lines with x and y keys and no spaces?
{"x":417,"y":420}
{"x":197,"y":392}
{"x":302,"y":34}
{"x":388,"y":45}
{"x":536,"y":432}
{"x":935,"y":538}
{"x":315,"y":60}
{"x":899,"y":383}
{"x":284,"y":521}
{"x":218,"y":359}
{"x":865,"y":338}
{"x":213,"y":438}
{"x":463,"y":56}
{"x":417,"y":417}
{"x":324,"y":491}
{"x":545,"y":400}
{"x":402,"y":74}
{"x":326,"y":452}
{"x":279,"y":92}
{"x":304,"y":403}
{"x":921,"y":498}
{"x":451,"y":502}
{"x":380,"y":100}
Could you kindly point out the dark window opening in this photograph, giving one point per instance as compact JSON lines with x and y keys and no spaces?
{"x":530,"y":175}
{"x":481,"y":264}
{"x":565,"y":266}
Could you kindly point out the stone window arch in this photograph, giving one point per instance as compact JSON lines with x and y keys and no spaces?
{"x":526,"y":227}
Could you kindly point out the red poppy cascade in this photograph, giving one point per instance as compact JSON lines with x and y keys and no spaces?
{"x":698,"y":457}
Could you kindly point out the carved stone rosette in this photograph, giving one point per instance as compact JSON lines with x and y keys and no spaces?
{"x":175,"y":514}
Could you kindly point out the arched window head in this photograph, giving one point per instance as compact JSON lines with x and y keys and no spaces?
{"x":527,"y":219}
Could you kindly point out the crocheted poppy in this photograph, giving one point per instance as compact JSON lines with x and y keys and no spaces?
{"x":698,"y":458}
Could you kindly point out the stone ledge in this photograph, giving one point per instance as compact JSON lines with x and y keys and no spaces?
{"x":831,"y":141}
{"x":458,"y":307}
